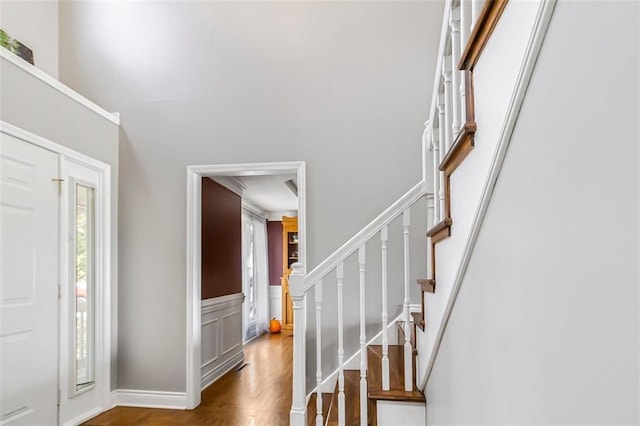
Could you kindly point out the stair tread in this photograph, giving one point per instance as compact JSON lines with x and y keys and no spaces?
{"x":396,"y":390}
{"x":311,"y":407}
{"x":428,"y":285}
{"x":352,"y":400}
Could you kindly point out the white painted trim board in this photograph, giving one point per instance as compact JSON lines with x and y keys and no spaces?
{"x":195,"y":173}
{"x":148,"y":399}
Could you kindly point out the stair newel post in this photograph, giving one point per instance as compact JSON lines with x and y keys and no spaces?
{"x":408,"y":351}
{"x":454,"y":23}
{"x":384,"y":236}
{"x":318,"y":300}
{"x":341,"y":398}
{"x":363,"y":338}
{"x":442,"y":151}
{"x":435,"y":148}
{"x":298,"y":414}
{"x":448,"y":103}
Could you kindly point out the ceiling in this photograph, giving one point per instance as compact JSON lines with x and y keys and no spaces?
{"x":270,"y":193}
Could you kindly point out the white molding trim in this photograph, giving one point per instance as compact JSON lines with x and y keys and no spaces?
{"x":221,"y":370}
{"x":253,"y":209}
{"x":148,"y":399}
{"x":275,"y":302}
{"x":541,"y":24}
{"x":106,"y":284}
{"x":218,"y":303}
{"x":46,"y":78}
{"x":86,"y":416}
{"x":232,"y":184}
{"x":195,"y":173}
{"x":364,"y":235}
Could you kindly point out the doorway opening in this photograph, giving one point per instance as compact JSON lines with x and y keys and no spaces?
{"x":254,"y":226}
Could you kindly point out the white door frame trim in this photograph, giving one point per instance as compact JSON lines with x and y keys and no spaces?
{"x":195,"y":174}
{"x":104,"y":283}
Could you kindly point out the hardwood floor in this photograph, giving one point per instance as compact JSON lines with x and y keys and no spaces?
{"x":258,"y":394}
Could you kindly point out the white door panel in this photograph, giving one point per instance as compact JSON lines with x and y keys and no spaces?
{"x":28,"y":283}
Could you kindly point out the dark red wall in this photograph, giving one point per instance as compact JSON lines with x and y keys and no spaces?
{"x":274,"y":241}
{"x":221,"y":241}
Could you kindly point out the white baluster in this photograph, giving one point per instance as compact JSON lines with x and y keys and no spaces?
{"x":431,"y":205}
{"x":298,"y":414}
{"x":442,"y":152}
{"x":385,"y":316}
{"x":435,"y":148}
{"x":318,"y":299}
{"x":448,"y":102}
{"x":363,"y":340}
{"x":455,"y":57}
{"x":341,"y":399}
{"x":465,"y":29}
{"x":476,"y":7}
{"x":408,"y":351}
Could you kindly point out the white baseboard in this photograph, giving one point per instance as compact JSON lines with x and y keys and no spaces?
{"x":221,"y":370}
{"x":86,"y":416}
{"x":149,"y":399}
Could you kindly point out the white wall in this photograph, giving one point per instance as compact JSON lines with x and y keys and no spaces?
{"x":545,"y":329}
{"x":35,"y":24}
{"x":343,"y":86}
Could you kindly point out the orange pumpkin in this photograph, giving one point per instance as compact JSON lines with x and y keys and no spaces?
{"x":274,"y":326}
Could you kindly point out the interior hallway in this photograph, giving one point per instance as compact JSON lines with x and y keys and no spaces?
{"x":258,"y":394}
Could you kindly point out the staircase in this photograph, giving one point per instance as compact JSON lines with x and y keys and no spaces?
{"x":389,"y":386}
{"x":414,"y":399}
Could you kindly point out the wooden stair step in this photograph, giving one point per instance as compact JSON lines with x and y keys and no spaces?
{"x":428,"y":285}
{"x":441,"y":231}
{"x":352,"y":400}
{"x":396,"y":390}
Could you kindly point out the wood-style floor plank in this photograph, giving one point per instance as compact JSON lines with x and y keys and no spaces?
{"x":258,"y":394}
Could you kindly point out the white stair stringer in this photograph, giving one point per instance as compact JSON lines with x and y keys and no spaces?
{"x":501,"y":78}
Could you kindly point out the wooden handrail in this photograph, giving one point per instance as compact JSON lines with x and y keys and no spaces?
{"x":484,"y":26}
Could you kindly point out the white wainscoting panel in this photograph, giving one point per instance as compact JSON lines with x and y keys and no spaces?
{"x":275,"y":302}
{"x":221,"y":337}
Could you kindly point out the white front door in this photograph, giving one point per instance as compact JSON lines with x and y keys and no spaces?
{"x":28,"y":283}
